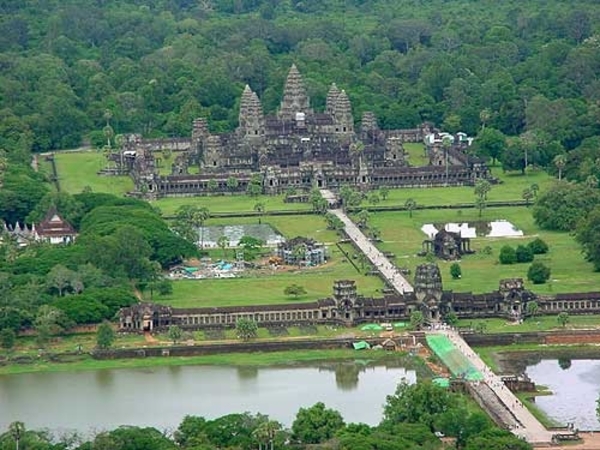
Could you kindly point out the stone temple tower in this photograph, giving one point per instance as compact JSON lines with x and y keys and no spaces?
{"x":295,"y":99}
{"x":332,"y":96}
{"x":429,"y":290}
{"x":344,"y":122}
{"x":251,"y":118}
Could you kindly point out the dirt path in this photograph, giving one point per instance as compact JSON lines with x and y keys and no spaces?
{"x":149,"y":338}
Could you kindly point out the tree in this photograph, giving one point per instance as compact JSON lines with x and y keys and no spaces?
{"x":251,"y":247}
{"x":294,"y":290}
{"x":532,"y":309}
{"x":363,"y":218}
{"x":189,"y":222}
{"x":8,"y":337}
{"x":246,"y":329}
{"x":562,"y":206}
{"x":223,"y":243}
{"x":560,"y":161}
{"x":175,"y":333}
{"x":527,"y":195}
{"x":60,"y":278}
{"x":213,"y":185}
{"x":260,"y":208}
{"x":480,"y":204}
{"x":48,"y":322}
{"x":482,"y":188}
{"x":16,"y":430}
{"x":588,"y":236}
{"x":490,"y":143}
{"x":508,"y":255}
{"x":316,"y":424}
{"x":513,"y":158}
{"x":455,"y":271}
{"x":384,"y":192}
{"x":410,"y":205}
{"x":105,"y":336}
{"x":535,"y":188}
{"x":232,"y":184}
{"x":374,"y":199}
{"x":451,"y":318}
{"x":416,"y":320}
{"x":421,"y":403}
{"x":255,"y":187}
{"x":523,"y":254}
{"x":538,"y":273}
{"x":563,"y":318}
{"x":538,"y":246}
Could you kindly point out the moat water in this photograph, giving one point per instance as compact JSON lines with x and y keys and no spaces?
{"x":161,"y":397}
{"x":575,"y":385}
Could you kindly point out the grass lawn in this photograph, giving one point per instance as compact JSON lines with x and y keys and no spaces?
{"x":268,"y":289}
{"x":511,"y":188}
{"x":229,"y":203}
{"x":77,"y":170}
{"x":480,"y":273}
{"x":538,"y":323}
{"x":238,"y":359}
{"x":310,"y":225}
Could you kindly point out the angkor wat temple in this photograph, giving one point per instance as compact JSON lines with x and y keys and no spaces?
{"x":347,"y":308}
{"x":297,"y":148}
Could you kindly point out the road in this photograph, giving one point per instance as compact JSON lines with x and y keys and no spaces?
{"x":388,"y":271}
{"x":521,"y":422}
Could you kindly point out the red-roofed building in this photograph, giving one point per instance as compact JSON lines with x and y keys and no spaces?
{"x":54,"y":229}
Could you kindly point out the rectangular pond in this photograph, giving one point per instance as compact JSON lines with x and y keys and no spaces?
{"x":161,"y":397}
{"x":576,"y":387}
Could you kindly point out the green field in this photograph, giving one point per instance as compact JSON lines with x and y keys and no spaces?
{"x":268,"y":289}
{"x":229,"y":203}
{"x":86,"y":362}
{"x":480,"y":273}
{"x":511,"y":188}
{"x":76,"y":170}
{"x":312,"y":226}
{"x":538,"y":323}
{"x":416,"y":154}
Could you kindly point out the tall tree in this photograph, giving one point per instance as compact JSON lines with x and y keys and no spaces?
{"x":316,"y":424}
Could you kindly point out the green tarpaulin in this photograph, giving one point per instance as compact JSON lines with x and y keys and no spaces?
{"x":362,"y":345}
{"x":371,"y":327}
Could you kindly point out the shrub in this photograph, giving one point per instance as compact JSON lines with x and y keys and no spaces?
{"x":455,"y":271}
{"x":538,"y":247}
{"x":538,"y":273}
{"x":508,"y":255}
{"x":524,"y":254}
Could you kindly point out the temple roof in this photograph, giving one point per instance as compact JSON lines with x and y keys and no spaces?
{"x":54,"y":225}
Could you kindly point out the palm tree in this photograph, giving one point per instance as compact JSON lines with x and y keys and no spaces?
{"x":484,"y":117}
{"x":223,"y":243}
{"x":16,"y":430}
{"x":527,"y":195}
{"x":535,"y":188}
{"x":560,"y":162}
{"x":410,"y":205}
{"x":260,"y":208}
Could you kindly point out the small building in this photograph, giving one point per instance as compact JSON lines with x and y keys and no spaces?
{"x":301,"y":251}
{"x":54,"y":229}
{"x":447,"y":245}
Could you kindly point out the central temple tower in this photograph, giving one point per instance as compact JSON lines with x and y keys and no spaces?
{"x":295,"y":99}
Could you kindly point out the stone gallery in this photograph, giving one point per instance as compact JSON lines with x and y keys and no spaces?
{"x":296,"y":148}
{"x":347,"y":308}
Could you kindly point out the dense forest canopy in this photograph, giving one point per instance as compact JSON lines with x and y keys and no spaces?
{"x":154,"y":65}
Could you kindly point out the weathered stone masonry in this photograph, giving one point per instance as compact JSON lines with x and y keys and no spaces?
{"x":345,"y":307}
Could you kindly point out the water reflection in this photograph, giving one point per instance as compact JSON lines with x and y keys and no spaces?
{"x":576,"y":386}
{"x":105,"y":399}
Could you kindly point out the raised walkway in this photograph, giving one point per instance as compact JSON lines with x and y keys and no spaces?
{"x":500,"y":402}
{"x":388,"y":271}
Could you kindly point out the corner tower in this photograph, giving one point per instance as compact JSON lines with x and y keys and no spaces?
{"x":344,"y":122}
{"x":251,"y":118}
